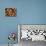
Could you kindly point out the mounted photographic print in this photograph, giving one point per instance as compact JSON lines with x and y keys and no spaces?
{"x":10,"y":12}
{"x":32,"y":32}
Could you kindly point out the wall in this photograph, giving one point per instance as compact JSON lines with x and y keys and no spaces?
{"x":28,"y":12}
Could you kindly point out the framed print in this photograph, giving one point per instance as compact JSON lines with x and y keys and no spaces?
{"x":32,"y":32}
{"x":10,"y":12}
